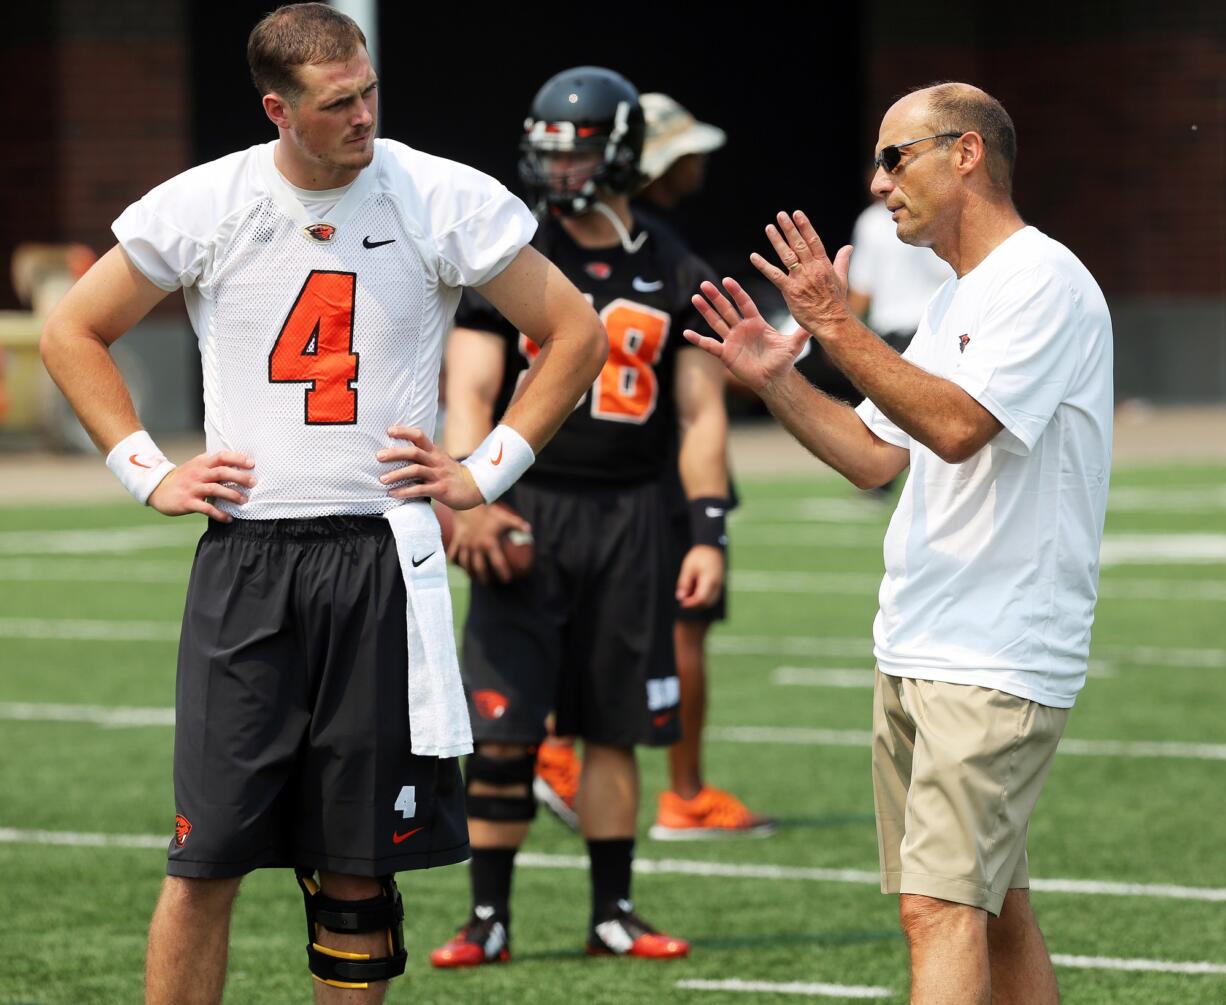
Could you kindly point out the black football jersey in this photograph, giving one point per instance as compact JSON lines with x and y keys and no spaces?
{"x":623,"y":429}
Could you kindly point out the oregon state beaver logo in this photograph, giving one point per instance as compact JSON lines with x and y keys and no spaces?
{"x":320,"y":231}
{"x":183,"y":827}
{"x":490,"y":704}
{"x":963,"y":342}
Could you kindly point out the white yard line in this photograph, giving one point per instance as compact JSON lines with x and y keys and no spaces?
{"x":1187,"y":498}
{"x":788,"y":988}
{"x":58,"y":570}
{"x":89,"y":630}
{"x":815,"y":645}
{"x":98,"y":715}
{"x":848,"y":677}
{"x":1154,"y":966}
{"x":803,"y":737}
{"x":1163,"y":548}
{"x":677,"y":867}
{"x":764,"y":581}
{"x":118,"y":540}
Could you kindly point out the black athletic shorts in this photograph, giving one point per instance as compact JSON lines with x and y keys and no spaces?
{"x":291,"y":709}
{"x":588,"y":633}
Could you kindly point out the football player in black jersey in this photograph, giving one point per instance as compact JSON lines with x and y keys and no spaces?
{"x":587,"y":635}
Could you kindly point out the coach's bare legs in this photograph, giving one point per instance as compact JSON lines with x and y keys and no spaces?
{"x":685,"y":756}
{"x":188,"y":941}
{"x":949,"y":951}
{"x":1020,"y":964}
{"x":608,"y":799}
{"x":375,"y":943}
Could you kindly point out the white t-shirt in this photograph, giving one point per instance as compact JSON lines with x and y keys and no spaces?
{"x":898,"y":278}
{"x":991,"y":566}
{"x":313,"y":345}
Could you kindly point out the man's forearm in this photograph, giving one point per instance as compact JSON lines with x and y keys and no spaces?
{"x":930,"y":409}
{"x":703,"y":457}
{"x":565,"y":368}
{"x":84,"y":370}
{"x":830,"y":430}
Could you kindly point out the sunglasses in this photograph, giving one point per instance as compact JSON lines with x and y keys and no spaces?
{"x":891,"y":156}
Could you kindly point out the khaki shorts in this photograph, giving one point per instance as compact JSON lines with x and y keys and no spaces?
{"x":957,"y":770}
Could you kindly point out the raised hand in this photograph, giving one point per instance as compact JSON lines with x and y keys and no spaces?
{"x":433,"y":472}
{"x":194,"y":484}
{"x":752,"y":350}
{"x":814,"y":287}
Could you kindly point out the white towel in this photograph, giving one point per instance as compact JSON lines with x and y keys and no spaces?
{"x":438,"y":712}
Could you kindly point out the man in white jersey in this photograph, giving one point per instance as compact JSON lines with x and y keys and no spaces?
{"x":319,"y":712}
{"x":1002,"y":408}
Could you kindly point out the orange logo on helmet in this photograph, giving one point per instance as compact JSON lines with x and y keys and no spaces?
{"x":490,"y":704}
{"x":183,"y":827}
{"x":320,"y":231}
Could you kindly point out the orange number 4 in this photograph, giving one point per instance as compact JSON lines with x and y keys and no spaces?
{"x":315,"y":346}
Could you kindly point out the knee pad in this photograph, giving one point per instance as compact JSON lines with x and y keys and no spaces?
{"x":342,"y":969}
{"x":501,"y":771}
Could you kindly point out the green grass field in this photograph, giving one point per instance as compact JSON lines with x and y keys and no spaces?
{"x":1128,"y":845}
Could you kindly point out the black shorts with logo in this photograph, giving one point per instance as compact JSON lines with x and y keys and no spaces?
{"x":588,"y":633}
{"x":291,"y":711}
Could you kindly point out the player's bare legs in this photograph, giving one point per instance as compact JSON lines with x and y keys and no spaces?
{"x":608,"y":792}
{"x":949,"y":951}
{"x":685,"y":756}
{"x":1020,"y":964}
{"x":344,"y":887}
{"x":188,"y":941}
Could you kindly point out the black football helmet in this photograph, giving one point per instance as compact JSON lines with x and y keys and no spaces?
{"x":589,"y":115}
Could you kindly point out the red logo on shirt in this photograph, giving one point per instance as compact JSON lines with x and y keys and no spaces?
{"x":963,"y":342}
{"x":183,"y":827}
{"x":320,"y":231}
{"x":598,"y":270}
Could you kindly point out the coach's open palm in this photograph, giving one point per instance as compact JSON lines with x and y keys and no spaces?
{"x":751,"y":349}
{"x":814,"y":287}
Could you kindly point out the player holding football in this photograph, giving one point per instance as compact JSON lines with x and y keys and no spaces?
{"x":588,"y":634}
{"x":319,"y":712}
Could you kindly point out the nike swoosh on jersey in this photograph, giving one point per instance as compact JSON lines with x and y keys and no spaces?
{"x":368,"y":243}
{"x":418,"y":561}
{"x":397,"y":838}
{"x":644,"y":286}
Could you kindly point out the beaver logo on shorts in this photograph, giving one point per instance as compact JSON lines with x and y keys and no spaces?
{"x":490,"y":704}
{"x":183,"y":827}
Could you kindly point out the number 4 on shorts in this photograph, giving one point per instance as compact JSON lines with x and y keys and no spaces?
{"x":406,"y":802}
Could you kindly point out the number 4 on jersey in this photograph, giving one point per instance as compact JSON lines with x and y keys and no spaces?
{"x":315,"y":346}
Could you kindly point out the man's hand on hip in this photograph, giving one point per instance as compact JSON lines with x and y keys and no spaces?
{"x":191,"y":487}
{"x":433,"y":472}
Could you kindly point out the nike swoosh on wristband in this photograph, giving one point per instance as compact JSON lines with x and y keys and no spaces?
{"x":133,"y":460}
{"x":368,"y":243}
{"x":497,"y":460}
{"x":398,"y":838}
{"x":644,"y":286}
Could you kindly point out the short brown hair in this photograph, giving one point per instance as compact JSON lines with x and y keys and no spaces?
{"x":298,"y":35}
{"x":957,"y":108}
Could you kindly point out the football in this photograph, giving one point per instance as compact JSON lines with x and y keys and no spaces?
{"x":517,"y":545}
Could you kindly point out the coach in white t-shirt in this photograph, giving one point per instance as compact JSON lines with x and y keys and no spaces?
{"x":1002,"y":409}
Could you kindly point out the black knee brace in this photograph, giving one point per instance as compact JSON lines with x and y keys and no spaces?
{"x":343,"y":969}
{"x":501,"y":771}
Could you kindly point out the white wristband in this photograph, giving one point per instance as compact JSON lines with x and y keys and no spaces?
{"x":139,"y":464}
{"x":497,"y":464}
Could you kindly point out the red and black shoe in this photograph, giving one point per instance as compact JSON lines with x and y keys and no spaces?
{"x":626,"y":934}
{"x":483,"y":939}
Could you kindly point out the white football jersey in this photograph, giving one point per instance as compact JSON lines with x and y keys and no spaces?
{"x":317,"y":333}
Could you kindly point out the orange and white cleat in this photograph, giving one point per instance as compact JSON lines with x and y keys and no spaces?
{"x":482,"y":940}
{"x":627,"y":934}
{"x":713,"y":813}
{"x":556,"y":784}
